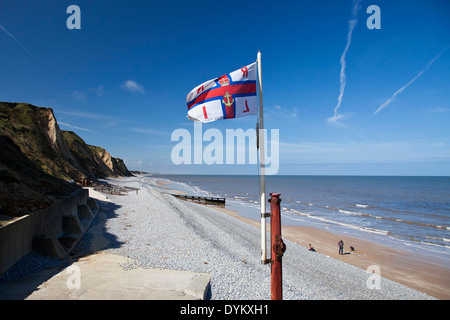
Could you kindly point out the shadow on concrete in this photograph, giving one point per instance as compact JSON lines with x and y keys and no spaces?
{"x":22,"y":279}
{"x":97,"y":238}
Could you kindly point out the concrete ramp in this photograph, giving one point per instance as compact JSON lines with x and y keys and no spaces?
{"x":102,"y":277}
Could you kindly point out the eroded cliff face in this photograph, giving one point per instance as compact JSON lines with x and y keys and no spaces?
{"x":37,"y":159}
{"x":116,"y":165}
{"x":35,"y":132}
{"x":49,"y":126}
{"x":95,"y":161}
{"x":121,"y":168}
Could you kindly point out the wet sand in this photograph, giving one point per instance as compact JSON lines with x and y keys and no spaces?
{"x":162,"y":184}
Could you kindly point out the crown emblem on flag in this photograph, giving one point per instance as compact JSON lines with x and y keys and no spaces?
{"x":224,"y":81}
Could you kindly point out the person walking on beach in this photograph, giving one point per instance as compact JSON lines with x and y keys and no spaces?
{"x":341,"y":247}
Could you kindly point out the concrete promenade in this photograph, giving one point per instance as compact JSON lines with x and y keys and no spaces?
{"x":101,"y":276}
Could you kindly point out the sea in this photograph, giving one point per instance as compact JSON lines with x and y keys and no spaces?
{"x":409,"y":213}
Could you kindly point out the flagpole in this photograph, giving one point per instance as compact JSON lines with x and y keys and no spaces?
{"x":262,"y":165}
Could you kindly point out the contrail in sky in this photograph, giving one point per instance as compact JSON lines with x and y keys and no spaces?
{"x":75,"y":127}
{"x":17,"y":41}
{"x":388,"y":101}
{"x":343,"y":79}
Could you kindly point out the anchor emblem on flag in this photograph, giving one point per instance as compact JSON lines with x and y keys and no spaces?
{"x":229,"y":102}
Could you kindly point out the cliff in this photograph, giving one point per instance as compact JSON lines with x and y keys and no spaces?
{"x":94,"y":162}
{"x":38,"y":160}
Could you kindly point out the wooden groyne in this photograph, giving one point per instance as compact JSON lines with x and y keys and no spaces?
{"x":202,"y":200}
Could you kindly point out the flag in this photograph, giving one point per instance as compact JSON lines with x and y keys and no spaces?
{"x":230,"y":96}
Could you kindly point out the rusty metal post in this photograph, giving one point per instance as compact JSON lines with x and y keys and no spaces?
{"x":278,"y":248}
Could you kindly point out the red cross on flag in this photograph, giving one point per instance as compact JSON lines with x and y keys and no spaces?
{"x":230,"y":96}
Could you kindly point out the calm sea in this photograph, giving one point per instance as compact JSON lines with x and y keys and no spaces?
{"x":413,"y":211}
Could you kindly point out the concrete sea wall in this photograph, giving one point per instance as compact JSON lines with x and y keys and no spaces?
{"x":52,"y":231}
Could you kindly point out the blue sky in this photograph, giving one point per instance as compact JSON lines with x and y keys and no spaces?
{"x":121,"y":81}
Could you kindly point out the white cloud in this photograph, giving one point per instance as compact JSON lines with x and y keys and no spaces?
{"x":133,"y":163}
{"x":149,"y":131}
{"x":279,"y":112}
{"x":294,"y":112}
{"x":133,"y":86}
{"x":78,"y":95}
{"x":436,"y":110}
{"x":100,"y":91}
{"x":335,"y":119}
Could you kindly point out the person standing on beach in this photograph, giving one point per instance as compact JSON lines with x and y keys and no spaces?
{"x":341,"y":247}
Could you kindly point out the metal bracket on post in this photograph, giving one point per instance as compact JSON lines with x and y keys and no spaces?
{"x":263,"y":216}
{"x":279,"y":247}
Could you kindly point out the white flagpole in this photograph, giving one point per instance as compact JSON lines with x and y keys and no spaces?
{"x":262,"y":164}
